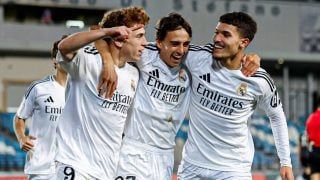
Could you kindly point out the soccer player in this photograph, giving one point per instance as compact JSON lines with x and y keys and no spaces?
{"x":43,"y":102}
{"x":89,"y":132}
{"x":160,"y":104}
{"x":219,"y":144}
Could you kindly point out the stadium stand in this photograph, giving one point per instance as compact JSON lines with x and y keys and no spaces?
{"x":11,"y":156}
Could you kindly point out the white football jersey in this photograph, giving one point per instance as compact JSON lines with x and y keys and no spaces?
{"x":160,"y":103}
{"x":43,"y":102}
{"x":89,"y":133}
{"x":222,"y":102}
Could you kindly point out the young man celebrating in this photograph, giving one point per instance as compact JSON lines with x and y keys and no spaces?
{"x":219,"y":144}
{"x":160,"y":104}
{"x":89,"y":133}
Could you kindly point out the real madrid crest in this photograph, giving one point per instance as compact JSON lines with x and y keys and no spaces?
{"x":242,"y":89}
{"x":133,"y":85}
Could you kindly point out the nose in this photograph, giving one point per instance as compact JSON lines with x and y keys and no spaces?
{"x":216,"y":38}
{"x":144,"y":41}
{"x":180,"y":49}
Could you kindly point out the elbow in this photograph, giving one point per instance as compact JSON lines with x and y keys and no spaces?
{"x":63,"y":48}
{"x":65,"y":51}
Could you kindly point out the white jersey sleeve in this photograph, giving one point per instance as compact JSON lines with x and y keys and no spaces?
{"x":272,"y":106}
{"x":27,"y":105}
{"x":77,"y":66}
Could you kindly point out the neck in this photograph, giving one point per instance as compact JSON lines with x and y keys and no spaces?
{"x":61,"y":78}
{"x":232,"y":63}
{"x":121,"y":63}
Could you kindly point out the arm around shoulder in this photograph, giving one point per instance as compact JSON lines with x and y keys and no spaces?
{"x":108,"y":78}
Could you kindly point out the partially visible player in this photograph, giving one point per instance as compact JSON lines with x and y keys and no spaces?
{"x":219,"y":144}
{"x":43,"y":102}
{"x":89,"y":132}
{"x":160,"y":103}
{"x":313,"y":133}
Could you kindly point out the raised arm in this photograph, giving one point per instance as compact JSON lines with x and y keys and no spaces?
{"x":72,"y":43}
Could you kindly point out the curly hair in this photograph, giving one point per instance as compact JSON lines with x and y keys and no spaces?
{"x":124,"y":17}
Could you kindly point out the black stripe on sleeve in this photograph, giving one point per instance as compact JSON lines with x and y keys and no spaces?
{"x":265,"y":76}
{"x":207,"y":47}
{"x":91,"y":50}
{"x":48,"y":78}
{"x":152,"y":47}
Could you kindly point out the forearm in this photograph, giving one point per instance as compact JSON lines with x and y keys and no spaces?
{"x":19,"y":128}
{"x":70,"y":45}
{"x":104,"y":51}
{"x":108,"y":77}
{"x":281,"y":137}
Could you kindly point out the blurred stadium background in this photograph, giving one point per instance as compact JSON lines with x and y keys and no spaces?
{"x":288,"y":40}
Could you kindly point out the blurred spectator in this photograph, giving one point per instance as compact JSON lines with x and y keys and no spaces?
{"x":313,"y":133}
{"x":46,"y":17}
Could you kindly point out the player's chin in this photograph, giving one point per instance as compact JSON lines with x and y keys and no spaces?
{"x":136,"y":57}
{"x":217,"y":56}
{"x":175,"y":64}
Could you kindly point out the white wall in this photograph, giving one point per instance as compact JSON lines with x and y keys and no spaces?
{"x":20,"y":72}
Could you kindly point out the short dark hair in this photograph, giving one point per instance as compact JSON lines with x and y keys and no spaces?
{"x":54,"y":49}
{"x":246,"y":25}
{"x":171,"y":22}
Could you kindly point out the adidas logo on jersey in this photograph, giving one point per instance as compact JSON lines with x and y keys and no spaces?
{"x":155,"y":73}
{"x":49,"y":100}
{"x":206,"y":77}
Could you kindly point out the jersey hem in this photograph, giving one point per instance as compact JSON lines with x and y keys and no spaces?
{"x":217,"y":168}
{"x":78,"y":168}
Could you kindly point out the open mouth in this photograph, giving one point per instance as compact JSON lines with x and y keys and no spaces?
{"x":218,"y":46}
{"x":176,"y":57}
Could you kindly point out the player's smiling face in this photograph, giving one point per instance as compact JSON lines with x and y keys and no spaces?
{"x":227,"y":41}
{"x":174,"y":47}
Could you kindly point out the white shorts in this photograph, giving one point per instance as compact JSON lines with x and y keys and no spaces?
{"x":188,"y":171}
{"x":143,"y":162}
{"x":42,"y":176}
{"x":66,"y":172}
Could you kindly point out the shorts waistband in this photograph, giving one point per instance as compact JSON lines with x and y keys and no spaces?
{"x":146,"y":147}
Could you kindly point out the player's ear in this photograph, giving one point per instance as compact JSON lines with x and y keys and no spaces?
{"x":118,"y":44}
{"x":158,"y":43}
{"x":244,"y":42}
